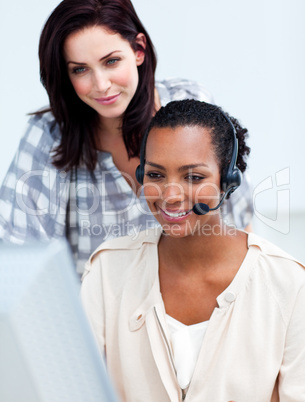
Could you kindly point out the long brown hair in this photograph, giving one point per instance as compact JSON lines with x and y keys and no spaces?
{"x":77,"y":121}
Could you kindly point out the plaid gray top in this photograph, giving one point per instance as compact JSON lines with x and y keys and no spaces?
{"x":38,"y":201}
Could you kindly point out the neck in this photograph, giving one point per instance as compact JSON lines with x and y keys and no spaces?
{"x":109,"y":134}
{"x":199,"y":251}
{"x":157,"y":101}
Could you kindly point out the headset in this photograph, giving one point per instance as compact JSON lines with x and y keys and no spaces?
{"x":230,"y":179}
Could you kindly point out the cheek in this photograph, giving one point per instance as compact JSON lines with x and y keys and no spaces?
{"x":128,"y":77}
{"x":81,"y":86}
{"x":152,"y":193}
{"x":207,"y":192}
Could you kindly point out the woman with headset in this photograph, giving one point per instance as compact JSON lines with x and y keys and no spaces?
{"x":73,"y":174}
{"x":197,"y":310}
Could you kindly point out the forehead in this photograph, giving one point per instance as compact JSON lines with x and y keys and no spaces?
{"x":185,"y":145}
{"x":94,"y":39}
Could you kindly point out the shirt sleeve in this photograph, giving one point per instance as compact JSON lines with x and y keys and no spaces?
{"x":178,"y":89}
{"x":92,"y":299}
{"x":34,"y":195}
{"x":292,"y":372}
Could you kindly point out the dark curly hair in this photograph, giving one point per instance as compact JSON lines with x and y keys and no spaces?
{"x":191,"y":112}
{"x":77,"y":121}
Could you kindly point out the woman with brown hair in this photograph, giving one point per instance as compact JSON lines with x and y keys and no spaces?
{"x":73,"y":174}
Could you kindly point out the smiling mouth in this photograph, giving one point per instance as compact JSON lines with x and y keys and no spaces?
{"x":107,"y":100}
{"x":176,"y":215}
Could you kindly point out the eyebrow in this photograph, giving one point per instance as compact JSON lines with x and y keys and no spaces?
{"x":101,"y":59}
{"x":181,"y":168}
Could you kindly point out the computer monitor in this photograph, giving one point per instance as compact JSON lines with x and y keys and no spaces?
{"x":47,"y":350}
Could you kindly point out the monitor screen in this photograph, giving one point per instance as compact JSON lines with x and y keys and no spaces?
{"x":47,"y":350}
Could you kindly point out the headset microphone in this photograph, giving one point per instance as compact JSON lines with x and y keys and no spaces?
{"x":201,"y":209}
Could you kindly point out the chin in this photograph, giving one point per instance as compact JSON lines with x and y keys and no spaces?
{"x":116,"y":113}
{"x":176,"y":231}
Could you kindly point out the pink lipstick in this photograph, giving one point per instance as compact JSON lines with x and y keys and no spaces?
{"x":107,"y":100}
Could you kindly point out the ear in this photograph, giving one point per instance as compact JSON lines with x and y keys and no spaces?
{"x":141,"y":44}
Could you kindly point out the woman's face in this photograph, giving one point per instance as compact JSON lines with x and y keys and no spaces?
{"x":180,"y":170}
{"x":102,"y":67}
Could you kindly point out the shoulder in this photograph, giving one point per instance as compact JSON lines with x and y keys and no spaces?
{"x":32,"y":188}
{"x":41,"y":135}
{"x":279,"y":272}
{"x":177,"y":89}
{"x":271,"y":251}
{"x":42,"y":129}
{"x":32,"y":172}
{"x":121,"y":256}
{"x":131,"y":243}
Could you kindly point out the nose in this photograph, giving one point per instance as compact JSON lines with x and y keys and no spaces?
{"x":173,"y":193}
{"x":101,"y":81}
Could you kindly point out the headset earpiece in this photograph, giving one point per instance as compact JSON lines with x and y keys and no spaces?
{"x":231,"y":178}
{"x":231,"y":181}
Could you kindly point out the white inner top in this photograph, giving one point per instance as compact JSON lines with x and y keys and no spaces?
{"x":186,"y":343}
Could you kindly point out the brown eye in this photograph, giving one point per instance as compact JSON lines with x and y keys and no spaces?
{"x":194,"y":178}
{"x":153,"y":175}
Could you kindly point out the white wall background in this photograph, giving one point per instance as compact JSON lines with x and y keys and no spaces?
{"x":250,"y":55}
